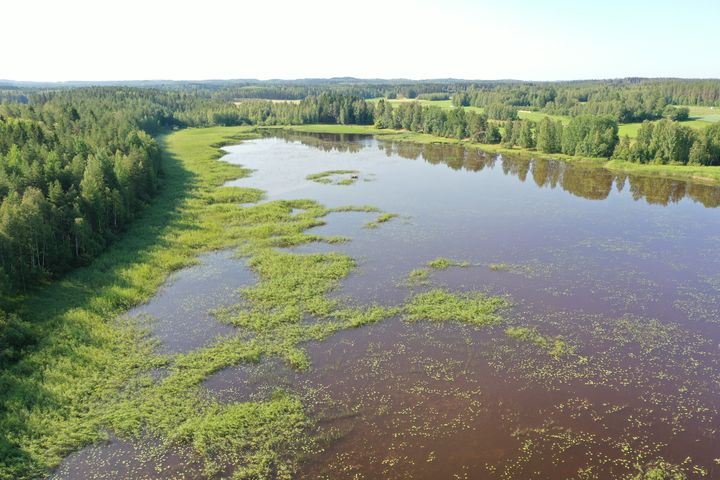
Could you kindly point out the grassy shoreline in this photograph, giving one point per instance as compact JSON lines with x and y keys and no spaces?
{"x":697,"y":174}
{"x":52,"y":398}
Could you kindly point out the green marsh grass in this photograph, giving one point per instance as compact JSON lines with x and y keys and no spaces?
{"x":56,"y":397}
{"x":442,"y":263}
{"x":382,"y":218}
{"x":556,"y":347}
{"x":439,"y":305}
{"x":499,"y":267}
{"x":330,"y":177}
{"x":421,"y":276}
{"x":418,"y":277}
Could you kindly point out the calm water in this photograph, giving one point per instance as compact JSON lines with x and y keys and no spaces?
{"x":624,"y":268}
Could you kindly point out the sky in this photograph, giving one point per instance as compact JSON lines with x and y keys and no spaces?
{"x":101,"y":40}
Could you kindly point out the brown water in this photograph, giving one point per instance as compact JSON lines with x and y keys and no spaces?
{"x":626,"y":269}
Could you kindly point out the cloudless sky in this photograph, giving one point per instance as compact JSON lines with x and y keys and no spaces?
{"x":52,"y":40}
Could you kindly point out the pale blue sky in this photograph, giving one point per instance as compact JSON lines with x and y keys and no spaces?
{"x":482,"y":39}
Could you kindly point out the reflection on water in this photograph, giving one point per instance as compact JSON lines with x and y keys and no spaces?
{"x":578,"y":178}
{"x":622,"y":268}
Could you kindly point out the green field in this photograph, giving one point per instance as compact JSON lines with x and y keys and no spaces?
{"x":424,"y":103}
{"x":700,"y":118}
{"x":447,"y":104}
{"x":631,"y":129}
{"x":240,"y":100}
{"x":705,"y":114}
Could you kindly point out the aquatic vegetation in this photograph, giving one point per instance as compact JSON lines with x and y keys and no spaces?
{"x":382,"y":218}
{"x":355,"y":208}
{"x":290,"y":287}
{"x":421,"y":276}
{"x":334,"y":177}
{"x":556,"y":347}
{"x":418,"y":277}
{"x":622,"y":245}
{"x":499,"y":267}
{"x":440,"y":305}
{"x":620,"y":355}
{"x":261,"y":438}
{"x":234,"y":195}
{"x":442,"y":263}
{"x":660,"y":470}
{"x":698,"y":305}
{"x":361,"y":316}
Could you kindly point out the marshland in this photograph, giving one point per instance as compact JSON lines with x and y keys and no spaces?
{"x":507,"y":317}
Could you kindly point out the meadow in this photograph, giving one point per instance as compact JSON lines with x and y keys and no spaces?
{"x":700,"y":118}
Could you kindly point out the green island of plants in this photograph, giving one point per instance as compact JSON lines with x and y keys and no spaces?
{"x":334,"y":177}
{"x":556,"y":347}
{"x":442,"y":263}
{"x":421,"y":276}
{"x":382,"y":218}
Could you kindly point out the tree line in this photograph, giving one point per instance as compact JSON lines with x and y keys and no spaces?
{"x":668,"y":141}
{"x":627,"y":101}
{"x":588,"y":135}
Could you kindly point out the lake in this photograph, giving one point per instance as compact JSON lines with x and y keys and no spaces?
{"x":623,"y":271}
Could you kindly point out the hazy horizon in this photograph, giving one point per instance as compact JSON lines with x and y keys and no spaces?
{"x":337,"y":78}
